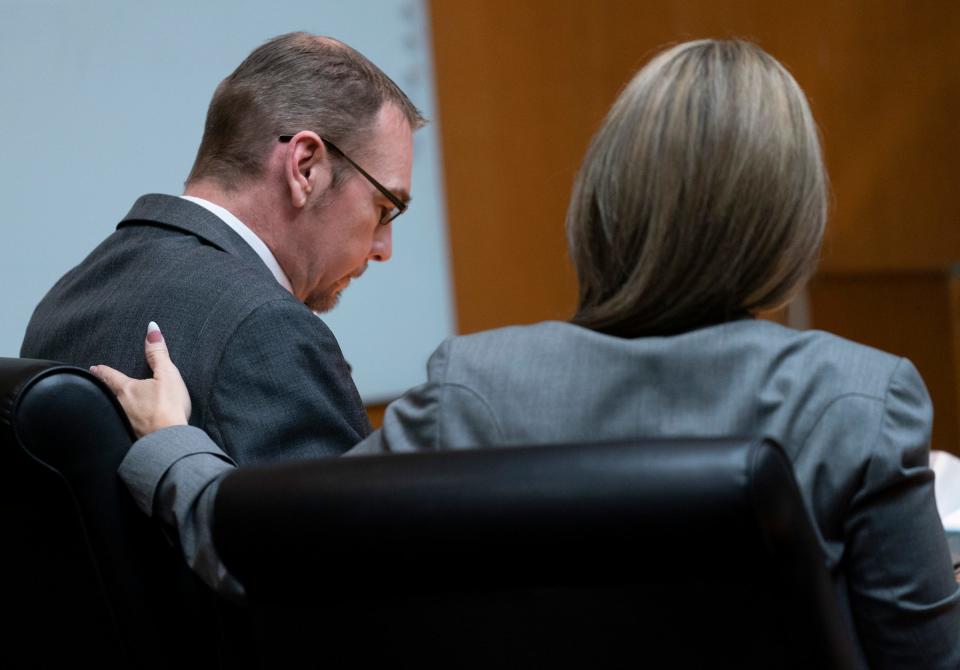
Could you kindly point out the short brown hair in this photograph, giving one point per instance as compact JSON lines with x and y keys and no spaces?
{"x":293,"y":82}
{"x":702,"y":197}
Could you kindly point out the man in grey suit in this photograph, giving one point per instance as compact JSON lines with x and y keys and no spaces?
{"x":277,"y":218}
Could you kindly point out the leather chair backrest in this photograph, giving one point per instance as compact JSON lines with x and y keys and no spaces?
{"x":90,"y":578}
{"x":696,"y":552}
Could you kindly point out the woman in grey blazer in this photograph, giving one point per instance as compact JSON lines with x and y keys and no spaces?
{"x":701,"y":201}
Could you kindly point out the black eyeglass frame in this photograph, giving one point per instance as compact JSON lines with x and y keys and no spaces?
{"x":399,"y":204}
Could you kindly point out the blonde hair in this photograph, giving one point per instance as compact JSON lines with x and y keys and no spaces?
{"x":702,"y":197}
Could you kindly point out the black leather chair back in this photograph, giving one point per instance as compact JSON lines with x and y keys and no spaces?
{"x":91,"y":580}
{"x":659,"y":554}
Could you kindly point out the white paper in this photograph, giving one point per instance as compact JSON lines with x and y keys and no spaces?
{"x":946,"y":467}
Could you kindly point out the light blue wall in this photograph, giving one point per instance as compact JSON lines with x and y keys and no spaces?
{"x":104,"y":100}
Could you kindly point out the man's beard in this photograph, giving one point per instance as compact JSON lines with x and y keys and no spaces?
{"x":324,"y":301}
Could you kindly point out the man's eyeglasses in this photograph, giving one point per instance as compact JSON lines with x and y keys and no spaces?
{"x":399,"y":206}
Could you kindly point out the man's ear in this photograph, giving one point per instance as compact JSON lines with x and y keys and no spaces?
{"x":307,"y":167}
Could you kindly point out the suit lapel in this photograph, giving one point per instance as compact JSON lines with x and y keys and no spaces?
{"x":173,"y":212}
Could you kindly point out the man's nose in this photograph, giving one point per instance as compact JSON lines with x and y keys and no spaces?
{"x":382,"y":248}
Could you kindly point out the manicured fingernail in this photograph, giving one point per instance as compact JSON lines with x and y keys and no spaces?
{"x":153,"y":333}
{"x":93,"y":369}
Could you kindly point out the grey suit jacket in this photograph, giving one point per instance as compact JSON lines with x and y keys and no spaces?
{"x":854,"y":421}
{"x":266,"y":376}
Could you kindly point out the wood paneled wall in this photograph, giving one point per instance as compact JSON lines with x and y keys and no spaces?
{"x":523,"y":84}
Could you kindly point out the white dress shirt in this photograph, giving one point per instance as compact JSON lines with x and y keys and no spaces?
{"x":248,"y":236}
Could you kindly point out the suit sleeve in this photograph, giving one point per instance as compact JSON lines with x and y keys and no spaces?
{"x":905,"y":599}
{"x":283,"y":390}
{"x":174,"y":474}
{"x":441,"y":414}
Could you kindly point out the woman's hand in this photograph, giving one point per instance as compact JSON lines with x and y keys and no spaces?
{"x":150,"y":404}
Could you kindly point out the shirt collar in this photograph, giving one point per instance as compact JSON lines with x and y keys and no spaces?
{"x":248,"y":236}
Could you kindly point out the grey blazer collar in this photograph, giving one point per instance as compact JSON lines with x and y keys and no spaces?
{"x":173,"y":212}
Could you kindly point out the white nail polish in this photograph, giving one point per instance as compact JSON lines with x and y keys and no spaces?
{"x":152,"y":327}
